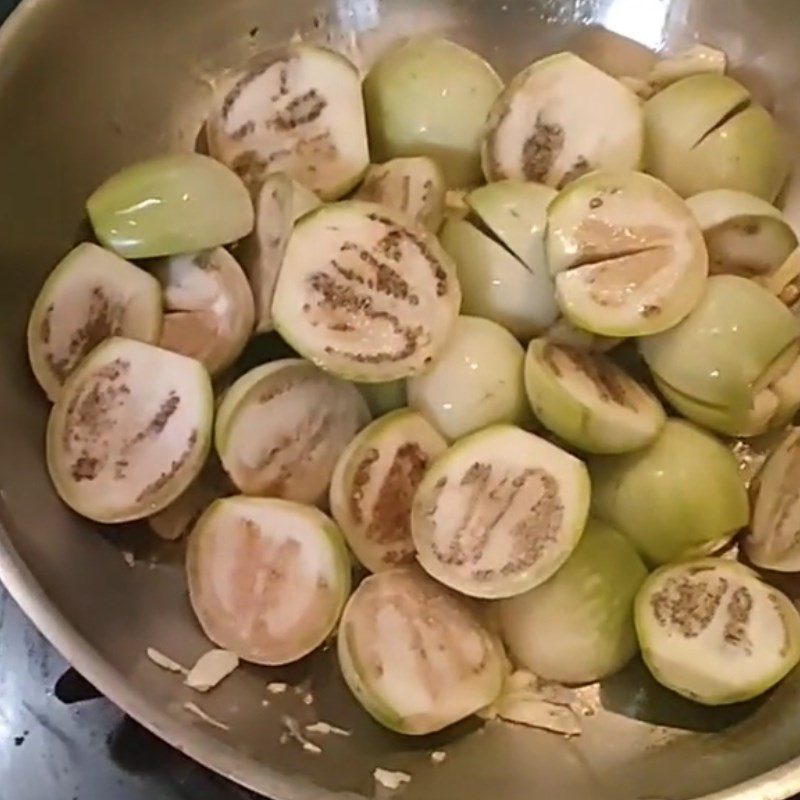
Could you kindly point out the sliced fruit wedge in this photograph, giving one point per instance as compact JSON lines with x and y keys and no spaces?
{"x":279,"y":204}
{"x":130,"y":431}
{"x":704,"y":132}
{"x":210,"y":312}
{"x":773,"y":541}
{"x":496,"y":285}
{"x":476,"y":381}
{"x":301,"y":114}
{"x":714,"y":632}
{"x":365,"y":294}
{"x":412,"y":186}
{"x":745,"y":235}
{"x":415,"y":655}
{"x":577,"y":627}
{"x":90,"y":296}
{"x":628,"y":256}
{"x":374,"y":483}
{"x":678,"y":498}
{"x":430,"y":97}
{"x":499,"y":513}
{"x":559,"y":119}
{"x":268,"y":579}
{"x":281,"y":428}
{"x":174,"y":204}
{"x":589,"y":401}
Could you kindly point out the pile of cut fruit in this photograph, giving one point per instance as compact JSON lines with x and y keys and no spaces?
{"x":553,"y":510}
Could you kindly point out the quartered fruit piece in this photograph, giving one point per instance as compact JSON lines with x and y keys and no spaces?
{"x":714,"y":632}
{"x":267,"y":578}
{"x":628,"y":256}
{"x":704,"y":132}
{"x":130,"y":431}
{"x":496,"y":285}
{"x":774,"y":538}
{"x":365,"y":294}
{"x":413,"y":186}
{"x":745,"y":235}
{"x":209,"y":306}
{"x":731,"y":364}
{"x":281,"y":428}
{"x":678,"y":498}
{"x":588,"y":401}
{"x":90,"y":296}
{"x":280,"y":202}
{"x":476,"y":381}
{"x":559,"y":119}
{"x":430,"y":97}
{"x":374,"y":483}
{"x":577,"y":627}
{"x":302,"y":114}
{"x":499,"y":513}
{"x":416,"y":655}
{"x":174,"y":204}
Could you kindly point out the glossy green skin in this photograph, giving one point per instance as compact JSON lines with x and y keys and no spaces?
{"x":681,"y":496}
{"x":169,"y":205}
{"x":431,"y":97}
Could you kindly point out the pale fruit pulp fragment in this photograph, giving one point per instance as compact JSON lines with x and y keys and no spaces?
{"x":267,"y":578}
{"x":712,"y":631}
{"x":281,"y":428}
{"x":499,"y":513}
{"x":301,"y":114}
{"x":210,"y":313}
{"x":365,"y":294}
{"x":589,"y":401}
{"x":412,"y":186}
{"x":180,"y":203}
{"x":416,"y":655}
{"x":628,"y":256}
{"x":90,"y":296}
{"x":130,"y":431}
{"x":374,"y":483}
{"x":430,"y":97}
{"x":559,"y":119}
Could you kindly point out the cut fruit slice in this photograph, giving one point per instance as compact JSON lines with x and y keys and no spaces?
{"x":268,"y":579}
{"x":430,"y":97}
{"x":301,"y":114}
{"x":678,"y":498}
{"x":209,"y":305}
{"x":365,"y":294}
{"x":559,"y":119}
{"x":281,"y":428}
{"x":130,"y":431}
{"x":499,"y":513}
{"x":516,"y":214}
{"x":578,"y":626}
{"x":704,"y":133}
{"x":90,"y":296}
{"x":725,"y":350}
{"x":589,"y":401}
{"x":774,"y":538}
{"x":745,"y":235}
{"x":415,"y":655}
{"x":412,"y":186}
{"x":374,"y":483}
{"x":496,"y":285}
{"x":628,"y":256}
{"x":279,"y":203}
{"x":714,"y":632}
{"x":476,"y":381}
{"x":174,"y":204}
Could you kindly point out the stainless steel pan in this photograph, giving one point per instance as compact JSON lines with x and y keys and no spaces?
{"x":89,"y":85}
